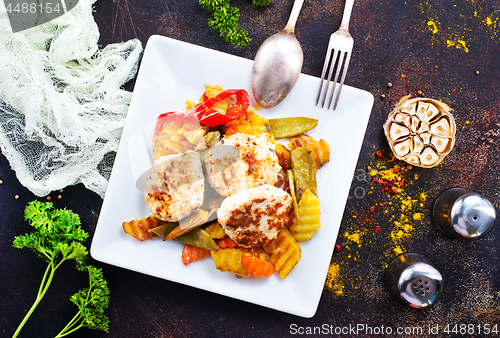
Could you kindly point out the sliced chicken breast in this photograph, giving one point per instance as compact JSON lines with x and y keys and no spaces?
{"x":241,"y":161}
{"x":253,"y":217}
{"x":174,"y":186}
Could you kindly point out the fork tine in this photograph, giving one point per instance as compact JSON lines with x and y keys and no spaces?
{"x":337,"y":66}
{"x":344,"y":72}
{"x":325,"y":67}
{"x":332,"y":63}
{"x":341,"y":43}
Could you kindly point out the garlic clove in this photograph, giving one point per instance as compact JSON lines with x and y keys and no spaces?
{"x":398,"y":131}
{"x":422,"y":108}
{"x":413,"y":159}
{"x":429,"y":157}
{"x":432,"y":111}
{"x":424,"y":126}
{"x":426,"y":137}
{"x":402,"y":118}
{"x":440,"y":143}
{"x":402,"y":148}
{"x":417,"y":145}
{"x":409,"y":108}
{"x":414,"y":124}
{"x":441,"y":127}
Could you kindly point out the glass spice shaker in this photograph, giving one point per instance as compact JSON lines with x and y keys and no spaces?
{"x":413,"y":279}
{"x":461,"y":213}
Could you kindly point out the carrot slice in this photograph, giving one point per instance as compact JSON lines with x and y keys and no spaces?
{"x":226,"y":242}
{"x":257,"y":266}
{"x":192,"y":253}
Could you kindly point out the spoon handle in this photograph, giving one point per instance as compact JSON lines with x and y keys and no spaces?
{"x":344,"y":24}
{"x":290,"y":26}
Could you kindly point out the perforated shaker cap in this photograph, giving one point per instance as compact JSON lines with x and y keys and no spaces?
{"x":412,"y":279}
{"x":420,"y":285}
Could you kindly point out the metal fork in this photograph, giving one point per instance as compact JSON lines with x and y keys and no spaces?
{"x":337,"y":56}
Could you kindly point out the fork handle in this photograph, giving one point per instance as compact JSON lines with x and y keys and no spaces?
{"x":344,"y":24}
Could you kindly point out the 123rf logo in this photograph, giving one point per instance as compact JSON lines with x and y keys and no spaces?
{"x":26,"y":14}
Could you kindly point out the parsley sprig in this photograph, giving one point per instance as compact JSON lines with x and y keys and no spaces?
{"x":91,"y":303}
{"x":58,"y":238}
{"x":225,"y":20}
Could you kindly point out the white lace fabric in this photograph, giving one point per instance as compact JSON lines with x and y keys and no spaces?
{"x":62,"y":106}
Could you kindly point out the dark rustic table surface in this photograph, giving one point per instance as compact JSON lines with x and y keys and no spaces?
{"x":448,"y":50}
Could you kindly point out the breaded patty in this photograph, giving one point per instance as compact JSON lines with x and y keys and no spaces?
{"x":253,"y":217}
{"x":241,"y":161}
{"x":174,"y":186}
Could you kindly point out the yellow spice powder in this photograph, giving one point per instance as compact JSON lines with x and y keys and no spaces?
{"x":334,"y":280}
{"x":353,"y":237}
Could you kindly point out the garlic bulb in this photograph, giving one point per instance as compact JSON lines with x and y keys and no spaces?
{"x":420,"y":131}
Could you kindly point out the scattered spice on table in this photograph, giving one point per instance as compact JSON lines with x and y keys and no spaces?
{"x":384,"y":218}
{"x":334,"y":280}
{"x":456,"y":33}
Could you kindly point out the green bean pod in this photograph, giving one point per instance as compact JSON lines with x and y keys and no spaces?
{"x":291,"y":126}
{"x":196,"y":237}
{"x":303,"y":171}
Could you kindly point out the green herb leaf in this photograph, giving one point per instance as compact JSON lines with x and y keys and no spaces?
{"x":261,"y":2}
{"x":213,"y":5}
{"x":225,"y":20}
{"x":91,"y":303}
{"x":58,"y":238}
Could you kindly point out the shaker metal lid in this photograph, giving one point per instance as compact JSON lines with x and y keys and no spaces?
{"x":472,"y":216}
{"x":411,"y":278}
{"x":420,"y":285}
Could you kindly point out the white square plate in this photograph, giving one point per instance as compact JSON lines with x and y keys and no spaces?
{"x":172,"y":72}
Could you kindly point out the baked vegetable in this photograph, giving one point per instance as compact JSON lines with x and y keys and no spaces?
{"x":207,"y":112}
{"x":307,"y":219}
{"x":303,"y":171}
{"x":291,"y":126}
{"x":215,"y":230}
{"x":229,"y":260}
{"x":140,"y":228}
{"x":191,"y":253}
{"x":284,"y":253}
{"x":196,"y":237}
{"x":283,"y":156}
{"x":226,"y":242}
{"x":420,"y":131}
{"x":256,"y":264}
{"x":320,"y":150}
{"x":249,"y":123}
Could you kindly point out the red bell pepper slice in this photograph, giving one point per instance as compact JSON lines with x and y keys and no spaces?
{"x":176,"y":116}
{"x":211,"y":117}
{"x":205,"y":112}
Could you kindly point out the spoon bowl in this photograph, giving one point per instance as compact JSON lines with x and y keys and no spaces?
{"x":277,"y":64}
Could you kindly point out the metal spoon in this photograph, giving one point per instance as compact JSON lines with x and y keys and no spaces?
{"x":277,"y":64}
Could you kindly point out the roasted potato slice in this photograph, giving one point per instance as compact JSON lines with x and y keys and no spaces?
{"x":139,"y":228}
